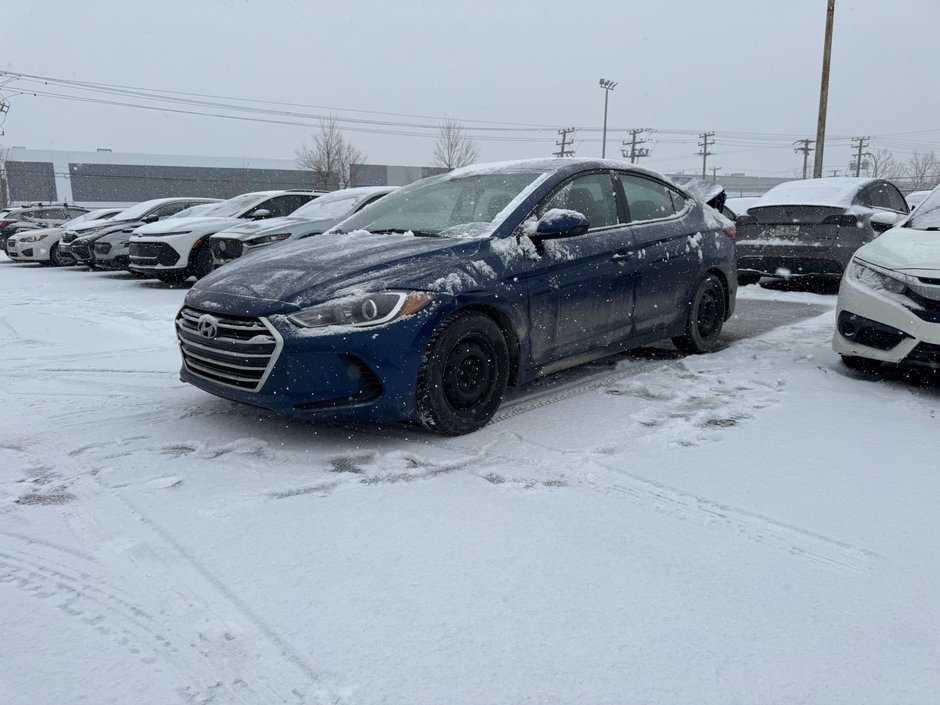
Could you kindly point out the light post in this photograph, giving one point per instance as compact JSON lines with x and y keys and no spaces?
{"x":608,"y":86}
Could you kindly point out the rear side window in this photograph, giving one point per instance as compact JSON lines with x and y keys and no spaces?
{"x":647,"y":199}
{"x":883,"y":195}
{"x":592,"y":196}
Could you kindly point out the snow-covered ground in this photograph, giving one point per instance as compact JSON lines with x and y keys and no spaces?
{"x":753,"y":526}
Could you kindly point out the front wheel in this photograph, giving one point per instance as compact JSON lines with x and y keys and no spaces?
{"x":463,"y":376}
{"x":59,"y":259}
{"x":202,"y":263}
{"x":706,"y":317}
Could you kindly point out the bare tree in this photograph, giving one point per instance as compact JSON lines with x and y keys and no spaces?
{"x":454,"y":148}
{"x":883,"y":165}
{"x":330,"y":158}
{"x":923,"y":170}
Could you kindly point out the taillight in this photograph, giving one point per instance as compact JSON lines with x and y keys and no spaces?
{"x":4,"y":223}
{"x":843,"y":219}
{"x":730,"y":231}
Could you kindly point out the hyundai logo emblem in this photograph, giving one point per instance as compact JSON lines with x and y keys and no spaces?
{"x":207,"y":326}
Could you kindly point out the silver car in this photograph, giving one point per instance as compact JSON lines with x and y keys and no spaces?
{"x":313,"y":218}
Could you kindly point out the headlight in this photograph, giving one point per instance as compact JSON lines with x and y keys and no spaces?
{"x":363,"y":309}
{"x":32,"y":238}
{"x":268,"y":239}
{"x":878,"y":278}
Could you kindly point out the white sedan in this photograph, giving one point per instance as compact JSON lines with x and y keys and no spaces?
{"x":889,"y":298}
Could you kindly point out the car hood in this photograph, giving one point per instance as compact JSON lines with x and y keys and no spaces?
{"x":905,"y":250}
{"x":297,"y":275}
{"x":175,"y":225}
{"x":41,"y":231}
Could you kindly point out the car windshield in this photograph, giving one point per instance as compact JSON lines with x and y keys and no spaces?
{"x":202,"y":209}
{"x":330,"y":206}
{"x":231,"y":208}
{"x":459,"y":206}
{"x":927,"y":215}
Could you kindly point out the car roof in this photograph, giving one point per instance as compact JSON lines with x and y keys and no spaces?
{"x":835,"y":191}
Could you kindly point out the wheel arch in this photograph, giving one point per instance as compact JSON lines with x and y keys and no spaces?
{"x":505,"y":325}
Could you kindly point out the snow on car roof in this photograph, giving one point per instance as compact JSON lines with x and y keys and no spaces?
{"x":836,"y":191}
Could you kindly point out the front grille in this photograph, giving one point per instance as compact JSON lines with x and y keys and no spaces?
{"x":80,"y":250}
{"x":149,"y":254}
{"x":225,"y":249}
{"x":240,"y":354}
{"x":102,"y":248}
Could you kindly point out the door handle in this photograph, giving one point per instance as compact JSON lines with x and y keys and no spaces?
{"x":622,"y":256}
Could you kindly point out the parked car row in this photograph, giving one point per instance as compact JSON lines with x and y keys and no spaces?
{"x":424,"y":303}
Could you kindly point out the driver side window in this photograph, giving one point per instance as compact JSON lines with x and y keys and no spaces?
{"x":592,"y":196}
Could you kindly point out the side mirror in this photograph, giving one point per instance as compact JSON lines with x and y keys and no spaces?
{"x":559,"y":222}
{"x":884,"y":220}
{"x":260,"y":214}
{"x":152,"y":218}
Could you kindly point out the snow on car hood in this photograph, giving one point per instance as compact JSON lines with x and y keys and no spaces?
{"x":176,"y":225}
{"x":297,"y":275}
{"x":253,"y":227}
{"x":905,"y":250}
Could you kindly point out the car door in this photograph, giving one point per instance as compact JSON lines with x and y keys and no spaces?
{"x":581,"y":288}
{"x":668,"y":257}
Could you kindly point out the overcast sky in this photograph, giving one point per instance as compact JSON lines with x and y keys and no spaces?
{"x":746,"y":69}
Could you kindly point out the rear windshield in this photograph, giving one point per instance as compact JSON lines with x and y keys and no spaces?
{"x":927,"y":215}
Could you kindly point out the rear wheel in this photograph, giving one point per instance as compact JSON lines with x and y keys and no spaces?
{"x":464,"y":375}
{"x":706,"y":317}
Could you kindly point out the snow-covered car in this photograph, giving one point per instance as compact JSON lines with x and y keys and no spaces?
{"x":889,"y":299}
{"x":313,"y":218}
{"x":178,"y":249}
{"x":43,"y":245}
{"x":914,"y":198}
{"x":80,"y":244}
{"x":812,"y":227}
{"x":36,"y":217}
{"x":111,"y":245}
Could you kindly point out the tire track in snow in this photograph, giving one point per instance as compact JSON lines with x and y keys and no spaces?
{"x":232,"y":647}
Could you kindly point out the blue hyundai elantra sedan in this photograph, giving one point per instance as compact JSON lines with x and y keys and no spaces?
{"x":427,"y":304}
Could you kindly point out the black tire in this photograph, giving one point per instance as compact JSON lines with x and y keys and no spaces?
{"x":171,"y":277}
{"x":748,"y":278}
{"x":861,"y":364}
{"x":58,"y":259}
{"x":202,"y":262}
{"x":463,"y":376}
{"x":706,"y":317}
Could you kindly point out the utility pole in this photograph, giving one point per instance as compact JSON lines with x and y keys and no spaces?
{"x":715,"y":170}
{"x":824,"y":92}
{"x":859,"y":143}
{"x":705,"y":154}
{"x":608,"y":86}
{"x":805,"y":149}
{"x":635,"y":152}
{"x":567,"y":137}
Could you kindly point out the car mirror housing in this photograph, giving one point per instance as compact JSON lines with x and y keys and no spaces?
{"x":884,"y":220}
{"x":152,"y":218}
{"x":260,"y":213}
{"x":558,"y":223}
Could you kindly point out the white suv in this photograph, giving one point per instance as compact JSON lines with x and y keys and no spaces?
{"x":176,"y":249}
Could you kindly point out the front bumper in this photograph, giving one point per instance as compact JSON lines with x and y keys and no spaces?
{"x":364,"y":374}
{"x":896,"y":329}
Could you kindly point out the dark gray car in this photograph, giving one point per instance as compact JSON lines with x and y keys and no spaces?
{"x":812,"y":227}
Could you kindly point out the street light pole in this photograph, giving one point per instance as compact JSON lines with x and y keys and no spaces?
{"x":608,"y":86}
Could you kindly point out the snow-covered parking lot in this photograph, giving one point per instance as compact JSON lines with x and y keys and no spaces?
{"x":757,"y":525}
